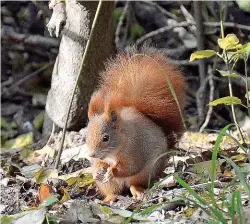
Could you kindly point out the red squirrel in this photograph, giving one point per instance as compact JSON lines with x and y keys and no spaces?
{"x":133,"y":120}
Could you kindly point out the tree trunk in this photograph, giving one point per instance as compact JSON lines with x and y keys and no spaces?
{"x":75,"y":35}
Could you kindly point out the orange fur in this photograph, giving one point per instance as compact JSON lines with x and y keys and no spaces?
{"x":140,"y":80}
{"x":135,"y":106}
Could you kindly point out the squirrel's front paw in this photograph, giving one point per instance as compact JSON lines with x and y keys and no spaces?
{"x":108,"y":175}
{"x":99,"y":174}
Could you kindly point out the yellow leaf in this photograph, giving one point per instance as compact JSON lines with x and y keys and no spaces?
{"x":76,"y":173}
{"x":38,"y":156}
{"x":85,"y":180}
{"x":20,"y":141}
{"x":230,"y":42}
{"x":189,"y":212}
{"x":227,"y":100}
{"x":65,"y":197}
{"x":228,"y":173}
{"x":240,"y":157}
{"x":202,"y":54}
{"x":46,"y":150}
{"x":38,"y":121}
{"x":71,"y":181}
{"x":42,"y":175}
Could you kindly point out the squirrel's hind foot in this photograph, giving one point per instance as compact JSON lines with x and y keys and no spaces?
{"x":137,"y":192}
{"x":110,"y":198}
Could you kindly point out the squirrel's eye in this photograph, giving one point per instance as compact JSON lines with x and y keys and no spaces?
{"x":105,"y":138}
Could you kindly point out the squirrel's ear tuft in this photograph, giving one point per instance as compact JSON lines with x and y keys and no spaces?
{"x":113,"y":116}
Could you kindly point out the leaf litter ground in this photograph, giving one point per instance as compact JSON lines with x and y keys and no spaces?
{"x":32,"y":190}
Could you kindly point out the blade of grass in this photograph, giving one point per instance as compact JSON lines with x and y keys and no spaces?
{"x":214,"y":163}
{"x":239,"y":175}
{"x":216,"y":150}
{"x":238,"y":205}
{"x":150,"y":209}
{"x":215,"y":211}
{"x":196,"y":203}
{"x":239,"y":208}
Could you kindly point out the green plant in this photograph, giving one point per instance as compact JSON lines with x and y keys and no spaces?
{"x":230,"y":207}
{"x":232,"y":51}
{"x":227,"y":205}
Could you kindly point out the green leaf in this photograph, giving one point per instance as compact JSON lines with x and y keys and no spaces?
{"x":36,"y":216}
{"x":228,"y":100}
{"x":4,"y":123}
{"x":248,"y":94}
{"x":245,"y":49}
{"x":225,"y":73}
{"x":202,"y":54}
{"x":7,"y":219}
{"x":150,"y":209}
{"x":230,"y":42}
{"x":10,"y":218}
{"x":105,"y":209}
{"x":25,"y":152}
{"x":50,"y":201}
{"x":244,"y":5}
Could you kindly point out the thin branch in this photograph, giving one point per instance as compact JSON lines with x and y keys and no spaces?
{"x":202,"y":64}
{"x":200,"y":98}
{"x":187,"y":24}
{"x":76,"y":82}
{"x":227,"y":24}
{"x":162,"y":10}
{"x":27,"y":77}
{"x":189,"y":18}
{"x":120,"y":23}
{"x":8,"y":33}
{"x":160,"y":31}
{"x":211,"y":98}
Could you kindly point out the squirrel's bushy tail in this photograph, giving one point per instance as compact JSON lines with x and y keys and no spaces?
{"x":139,"y":79}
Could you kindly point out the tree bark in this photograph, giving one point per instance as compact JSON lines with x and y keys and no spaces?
{"x":75,"y":35}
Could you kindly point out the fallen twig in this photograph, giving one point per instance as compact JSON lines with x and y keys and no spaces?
{"x":27,"y":77}
{"x":8,"y":33}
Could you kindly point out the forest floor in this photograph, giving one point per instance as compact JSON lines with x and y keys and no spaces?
{"x":32,"y":191}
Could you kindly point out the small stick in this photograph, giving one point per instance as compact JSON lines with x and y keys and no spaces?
{"x":120,"y":23}
{"x":27,"y":77}
{"x":211,"y":98}
{"x":160,"y":31}
{"x":76,"y":82}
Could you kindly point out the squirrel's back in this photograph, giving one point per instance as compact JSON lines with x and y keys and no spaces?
{"x":140,"y":79}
